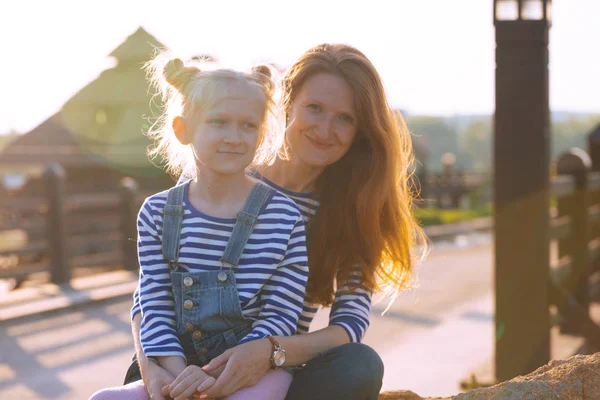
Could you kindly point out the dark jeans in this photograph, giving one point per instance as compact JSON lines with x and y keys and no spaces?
{"x":352,"y":371}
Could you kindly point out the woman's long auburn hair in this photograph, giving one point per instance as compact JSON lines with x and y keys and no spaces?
{"x":365,"y":220}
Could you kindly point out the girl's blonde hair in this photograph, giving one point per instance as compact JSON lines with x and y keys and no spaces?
{"x":189,"y":89}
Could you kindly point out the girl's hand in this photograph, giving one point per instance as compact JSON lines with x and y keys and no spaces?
{"x":245,"y":365}
{"x":155,"y":377}
{"x":193,"y":379}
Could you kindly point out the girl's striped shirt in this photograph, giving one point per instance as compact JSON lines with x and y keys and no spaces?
{"x":350,"y":310}
{"x":271,"y":276}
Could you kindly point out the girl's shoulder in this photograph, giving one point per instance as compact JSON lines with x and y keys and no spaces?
{"x":156,"y":202}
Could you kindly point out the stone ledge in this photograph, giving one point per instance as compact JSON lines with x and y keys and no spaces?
{"x":576,"y":378}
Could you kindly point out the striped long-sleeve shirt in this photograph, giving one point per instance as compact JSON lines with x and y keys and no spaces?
{"x":271,"y":275}
{"x":350,"y":310}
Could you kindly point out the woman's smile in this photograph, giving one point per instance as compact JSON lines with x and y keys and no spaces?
{"x":319,"y":143}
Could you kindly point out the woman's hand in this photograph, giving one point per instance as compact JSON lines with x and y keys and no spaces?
{"x":155,"y":377}
{"x":245,"y":365}
{"x":193,"y":379}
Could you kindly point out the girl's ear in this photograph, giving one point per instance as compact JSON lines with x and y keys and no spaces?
{"x":181,"y":131}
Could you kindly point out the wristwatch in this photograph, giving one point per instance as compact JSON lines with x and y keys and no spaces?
{"x":278,"y":356}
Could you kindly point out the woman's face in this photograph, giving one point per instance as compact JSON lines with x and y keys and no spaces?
{"x":322,"y":120}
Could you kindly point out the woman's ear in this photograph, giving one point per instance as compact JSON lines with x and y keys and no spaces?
{"x":181,"y":131}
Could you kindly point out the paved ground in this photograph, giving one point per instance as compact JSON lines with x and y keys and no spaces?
{"x":430,"y":339}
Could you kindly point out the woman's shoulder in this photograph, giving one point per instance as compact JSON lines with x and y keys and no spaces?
{"x":306,"y":203}
{"x":280,"y":203}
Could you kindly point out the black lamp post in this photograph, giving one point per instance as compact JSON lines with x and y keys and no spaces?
{"x":521,"y":176}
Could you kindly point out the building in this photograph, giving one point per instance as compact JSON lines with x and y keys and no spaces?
{"x":97,"y":136}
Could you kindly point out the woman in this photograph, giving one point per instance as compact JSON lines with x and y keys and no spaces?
{"x":347,"y":169}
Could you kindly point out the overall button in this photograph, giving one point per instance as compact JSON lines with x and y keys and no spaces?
{"x":189,"y":327}
{"x":188,"y":304}
{"x":203,"y":350}
{"x":197,"y":334}
{"x":188,"y":281}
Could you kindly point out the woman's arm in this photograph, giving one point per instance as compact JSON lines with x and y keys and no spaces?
{"x":300,"y":349}
{"x":247,"y":363}
{"x":352,"y":306}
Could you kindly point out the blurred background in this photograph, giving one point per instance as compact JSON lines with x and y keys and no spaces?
{"x":74,"y":171}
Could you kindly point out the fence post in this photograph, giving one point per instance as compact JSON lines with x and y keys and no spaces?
{"x":576,"y":163}
{"x":594,"y":152}
{"x":458,"y":188}
{"x":446,"y":188}
{"x":129,"y":211}
{"x":56,"y":234}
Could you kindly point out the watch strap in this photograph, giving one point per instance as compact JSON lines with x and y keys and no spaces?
{"x":276,"y":347}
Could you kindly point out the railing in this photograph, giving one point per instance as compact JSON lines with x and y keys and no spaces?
{"x":451,"y":188}
{"x":575,"y":230}
{"x":56,"y":232}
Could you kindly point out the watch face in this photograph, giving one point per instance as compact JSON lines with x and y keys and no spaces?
{"x":279,"y":358}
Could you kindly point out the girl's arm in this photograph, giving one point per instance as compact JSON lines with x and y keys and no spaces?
{"x":153,"y":375}
{"x":282,"y":296}
{"x":158,"y":336}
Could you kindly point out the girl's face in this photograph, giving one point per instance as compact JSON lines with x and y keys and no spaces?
{"x":322,"y":120}
{"x":225,"y":138}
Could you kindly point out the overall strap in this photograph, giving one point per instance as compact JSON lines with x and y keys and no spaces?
{"x":246,"y":219}
{"x":172,"y":219}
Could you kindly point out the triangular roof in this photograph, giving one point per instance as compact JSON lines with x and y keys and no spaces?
{"x":48,"y":142}
{"x":101,"y":124}
{"x":139,"y":46}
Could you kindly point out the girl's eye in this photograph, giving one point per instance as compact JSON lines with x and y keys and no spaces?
{"x":314,"y":107}
{"x":251,"y":125}
{"x":216,"y":122}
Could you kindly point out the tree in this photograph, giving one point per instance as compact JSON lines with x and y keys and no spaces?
{"x":438,"y":136}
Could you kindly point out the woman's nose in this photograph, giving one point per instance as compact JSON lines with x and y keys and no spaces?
{"x":323,"y":130}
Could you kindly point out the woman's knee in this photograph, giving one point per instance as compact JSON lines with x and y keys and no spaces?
{"x":361,"y":364}
{"x":350,"y":371}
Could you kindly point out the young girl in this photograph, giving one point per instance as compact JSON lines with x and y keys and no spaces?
{"x":222,"y":258}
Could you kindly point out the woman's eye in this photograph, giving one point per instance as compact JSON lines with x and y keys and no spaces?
{"x":346,"y":118}
{"x":314,"y":107}
{"x":251,"y":125}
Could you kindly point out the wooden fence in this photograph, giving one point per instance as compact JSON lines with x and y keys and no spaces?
{"x":453,"y":188}
{"x":575,"y":236}
{"x":54,"y":231}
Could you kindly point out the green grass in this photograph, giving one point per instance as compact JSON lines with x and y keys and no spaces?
{"x":438,"y":216}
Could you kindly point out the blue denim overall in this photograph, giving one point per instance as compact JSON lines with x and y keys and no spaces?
{"x":209,"y":317}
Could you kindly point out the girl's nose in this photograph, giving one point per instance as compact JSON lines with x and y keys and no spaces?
{"x":233,"y":135}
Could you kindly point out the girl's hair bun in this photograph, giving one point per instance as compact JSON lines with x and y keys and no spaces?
{"x":262,"y":69}
{"x":177,"y":75}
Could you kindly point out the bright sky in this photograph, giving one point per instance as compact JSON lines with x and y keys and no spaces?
{"x":435,"y":56}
